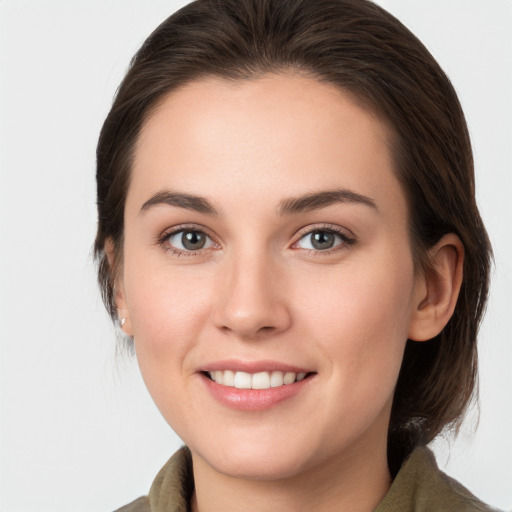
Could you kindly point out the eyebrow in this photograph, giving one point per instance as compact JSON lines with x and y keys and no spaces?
{"x":307,"y":202}
{"x":187,"y":201}
{"x":317,"y":200}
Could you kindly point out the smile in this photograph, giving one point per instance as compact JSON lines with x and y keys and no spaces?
{"x":260,"y":380}
{"x":255,"y":385}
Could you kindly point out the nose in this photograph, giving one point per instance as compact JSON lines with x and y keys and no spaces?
{"x":251,"y":302}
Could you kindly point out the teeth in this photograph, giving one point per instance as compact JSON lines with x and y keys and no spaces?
{"x":289,"y":377}
{"x":261,"y":380}
{"x":228,"y":378}
{"x":242,"y":380}
{"x":276,"y":379}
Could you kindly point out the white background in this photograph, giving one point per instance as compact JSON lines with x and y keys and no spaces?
{"x":78,"y":431}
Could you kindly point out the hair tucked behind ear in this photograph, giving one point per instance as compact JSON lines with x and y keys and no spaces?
{"x":362,"y":49}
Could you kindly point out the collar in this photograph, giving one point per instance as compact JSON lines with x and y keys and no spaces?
{"x":418,"y":487}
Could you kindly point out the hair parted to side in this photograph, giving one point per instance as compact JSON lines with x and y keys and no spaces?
{"x":362,"y":49}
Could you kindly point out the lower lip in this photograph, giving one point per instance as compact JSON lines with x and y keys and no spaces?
{"x":254,"y":399}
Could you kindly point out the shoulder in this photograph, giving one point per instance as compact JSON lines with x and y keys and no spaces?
{"x":139,"y":505}
{"x":172,"y":488}
{"x":421,"y":486}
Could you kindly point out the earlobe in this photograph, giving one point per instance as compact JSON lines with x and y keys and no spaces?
{"x":125,"y":324}
{"x":118,"y":285}
{"x":437,"y":289}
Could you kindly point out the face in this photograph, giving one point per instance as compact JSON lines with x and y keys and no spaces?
{"x":267,"y":273}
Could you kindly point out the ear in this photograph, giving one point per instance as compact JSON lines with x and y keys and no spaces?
{"x":437,"y":289}
{"x":119,"y":293}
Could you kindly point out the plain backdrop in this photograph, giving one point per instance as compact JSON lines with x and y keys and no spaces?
{"x":78,"y":431}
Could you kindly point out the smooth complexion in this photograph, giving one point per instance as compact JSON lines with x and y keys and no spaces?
{"x":236,"y":260}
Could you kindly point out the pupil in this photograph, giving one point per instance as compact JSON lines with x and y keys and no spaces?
{"x":322,"y":240}
{"x":193,"y":240}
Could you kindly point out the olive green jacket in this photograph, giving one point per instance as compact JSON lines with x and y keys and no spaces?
{"x":419,"y":487}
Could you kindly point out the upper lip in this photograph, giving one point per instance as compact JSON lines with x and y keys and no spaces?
{"x":252,"y":366}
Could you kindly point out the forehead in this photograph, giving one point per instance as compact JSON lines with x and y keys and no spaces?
{"x":275,"y":136}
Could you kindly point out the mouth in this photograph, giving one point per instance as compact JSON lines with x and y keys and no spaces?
{"x":260,"y":380}
{"x":255,"y":385}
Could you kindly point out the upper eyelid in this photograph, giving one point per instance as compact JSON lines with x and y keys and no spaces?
{"x":301,"y":233}
{"x":342,"y":231}
{"x":347,"y":238}
{"x":186,"y":227}
{"x":163,"y":241}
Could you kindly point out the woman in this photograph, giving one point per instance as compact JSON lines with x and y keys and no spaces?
{"x":288,"y":234}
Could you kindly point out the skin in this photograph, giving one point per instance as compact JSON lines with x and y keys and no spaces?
{"x":258,"y":291}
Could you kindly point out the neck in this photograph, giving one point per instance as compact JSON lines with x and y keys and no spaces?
{"x":354,"y":482}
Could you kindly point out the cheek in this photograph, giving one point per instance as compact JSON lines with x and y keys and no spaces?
{"x":168,"y":310}
{"x":168,"y":313}
{"x":361,"y":320}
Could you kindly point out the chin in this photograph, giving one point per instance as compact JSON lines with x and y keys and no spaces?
{"x":258,"y":461}
{"x":260,"y":468}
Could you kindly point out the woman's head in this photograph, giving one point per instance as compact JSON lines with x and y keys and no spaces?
{"x":360,"y":50}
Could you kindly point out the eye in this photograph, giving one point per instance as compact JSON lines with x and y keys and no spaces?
{"x":188,"y":240}
{"x":323,"y":240}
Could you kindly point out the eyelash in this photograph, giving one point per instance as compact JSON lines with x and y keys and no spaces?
{"x":346,"y":239}
{"x":164,"y":238}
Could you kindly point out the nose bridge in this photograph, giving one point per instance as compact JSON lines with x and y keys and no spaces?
{"x":250,"y":301}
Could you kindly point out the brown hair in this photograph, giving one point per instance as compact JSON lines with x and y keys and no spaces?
{"x":362,"y":49}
